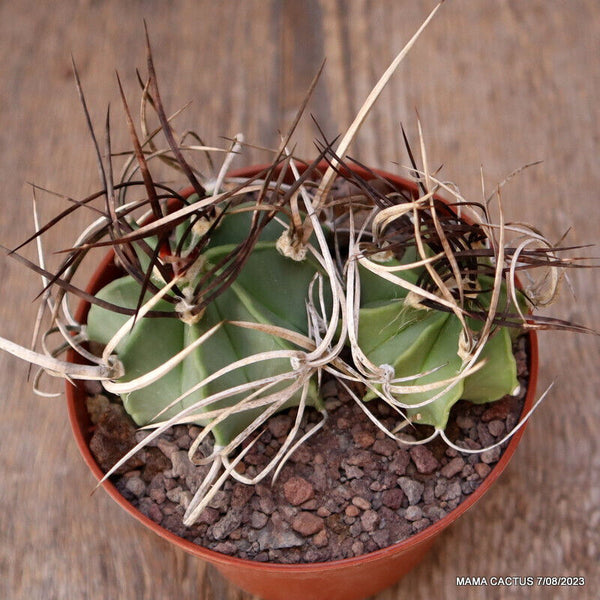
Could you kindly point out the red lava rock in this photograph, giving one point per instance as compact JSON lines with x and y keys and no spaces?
{"x":465,"y":422}
{"x":363,"y":439}
{"x":278,"y":536}
{"x":267,"y":504}
{"x":226,"y":548}
{"x":154,"y":513}
{"x":385,"y":447}
{"x":241,"y":495}
{"x":302,"y":455}
{"x":361,"y":503}
{"x":399,"y":462}
{"x":453,"y":467}
{"x":156,"y":463}
{"x":359,"y":458}
{"x":413,"y":489}
{"x":358,"y":548}
{"x":320,"y":509}
{"x":343,"y":423}
{"x":498,"y":410}
{"x":309,"y":504}
{"x":381,"y":538}
{"x":360,"y":487}
{"x":352,"y":472}
{"x":158,"y":495}
{"x":424,"y":459}
{"x":319,"y":477}
{"x":222,"y":528}
{"x":297,"y":490}
{"x":209,"y":516}
{"x":413,"y":513}
{"x":421,"y":524}
{"x":279,"y":425}
{"x":135,"y":485}
{"x":471,"y":445}
{"x":452,"y":491}
{"x":482,"y":470}
{"x":496,"y":427}
{"x":258,"y":520}
{"x":491,"y":456}
{"x":392,"y":498}
{"x":485,"y":437}
{"x":307,"y":523}
{"x":320,"y":538}
{"x":114,"y":436}
{"x":369,"y":520}
{"x":288,"y":512}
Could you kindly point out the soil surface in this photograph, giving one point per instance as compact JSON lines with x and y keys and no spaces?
{"x":348,"y":491}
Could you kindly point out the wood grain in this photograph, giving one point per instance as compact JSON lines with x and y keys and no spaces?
{"x":495,"y":83}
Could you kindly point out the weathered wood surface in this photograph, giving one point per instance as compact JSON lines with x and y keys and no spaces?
{"x":496,"y":83}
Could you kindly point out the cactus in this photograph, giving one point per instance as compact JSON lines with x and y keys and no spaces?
{"x":237,"y":297}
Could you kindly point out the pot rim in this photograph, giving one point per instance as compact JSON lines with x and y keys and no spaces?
{"x":75,"y":396}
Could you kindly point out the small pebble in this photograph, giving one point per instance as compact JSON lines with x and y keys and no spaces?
{"x":381,"y":537}
{"x":358,"y":548}
{"x":413,"y":489}
{"x":361,"y":503}
{"x":385,"y":447}
{"x":421,"y":524}
{"x":491,"y":456}
{"x":392,"y":498}
{"x":482,"y":470}
{"x":424,"y":459}
{"x":497,"y":410}
{"x":413,"y":513}
{"x":320,"y":538}
{"x":369,"y":519}
{"x":136,"y":486}
{"x":307,"y":523}
{"x":279,"y":425}
{"x":258,"y":520}
{"x":496,"y":427}
{"x":363,"y":439}
{"x":297,"y":490}
{"x":454,"y":467}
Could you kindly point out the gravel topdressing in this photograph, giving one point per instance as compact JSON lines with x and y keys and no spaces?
{"x":348,"y":491}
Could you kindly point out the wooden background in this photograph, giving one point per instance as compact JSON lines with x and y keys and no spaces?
{"x":498,"y":83}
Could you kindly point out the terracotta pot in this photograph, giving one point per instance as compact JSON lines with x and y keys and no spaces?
{"x":348,"y":579}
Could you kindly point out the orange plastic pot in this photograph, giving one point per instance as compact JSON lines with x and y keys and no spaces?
{"x":348,"y":579}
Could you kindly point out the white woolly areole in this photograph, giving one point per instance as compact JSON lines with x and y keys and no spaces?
{"x":293,"y":249}
{"x":185,"y":307}
{"x":383,"y":255}
{"x":202,"y":225}
{"x":413,"y":300}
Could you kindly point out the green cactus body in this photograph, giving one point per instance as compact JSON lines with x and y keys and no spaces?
{"x":417,"y":340}
{"x":270,"y":289}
